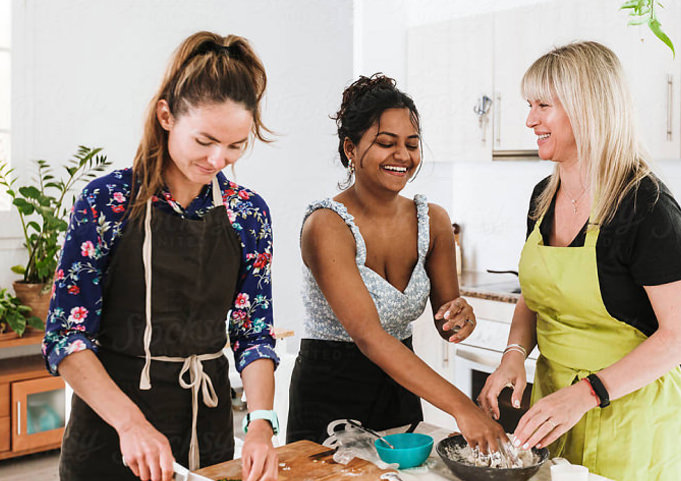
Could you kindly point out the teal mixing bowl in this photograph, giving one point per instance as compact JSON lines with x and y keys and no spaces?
{"x":411,"y":449}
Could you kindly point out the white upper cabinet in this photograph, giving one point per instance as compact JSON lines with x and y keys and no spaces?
{"x":452,"y":64}
{"x":523,"y":34}
{"x":449,"y":69}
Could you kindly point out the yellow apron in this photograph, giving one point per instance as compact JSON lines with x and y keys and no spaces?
{"x":637,"y":436}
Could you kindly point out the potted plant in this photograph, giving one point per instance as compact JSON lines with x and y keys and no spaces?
{"x":43,"y":213}
{"x":15,"y":316}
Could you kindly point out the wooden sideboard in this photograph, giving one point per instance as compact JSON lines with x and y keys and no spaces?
{"x":31,"y":403}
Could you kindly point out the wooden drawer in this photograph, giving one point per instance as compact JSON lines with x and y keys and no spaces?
{"x":4,"y":400}
{"x":4,"y":433}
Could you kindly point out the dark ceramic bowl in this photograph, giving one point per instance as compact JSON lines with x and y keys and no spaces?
{"x":468,"y":472}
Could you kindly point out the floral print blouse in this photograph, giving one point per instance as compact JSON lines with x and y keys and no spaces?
{"x":96,"y":227}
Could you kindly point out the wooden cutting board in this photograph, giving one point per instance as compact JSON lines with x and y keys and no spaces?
{"x":295,"y":464}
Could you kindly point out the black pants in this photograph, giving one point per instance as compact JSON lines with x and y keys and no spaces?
{"x":334,"y":380}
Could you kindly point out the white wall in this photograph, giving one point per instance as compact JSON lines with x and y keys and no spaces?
{"x":84,"y":71}
{"x":489,"y":200}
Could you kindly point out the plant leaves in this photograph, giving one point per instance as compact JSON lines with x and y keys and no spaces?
{"x":16,"y":322}
{"x":656,"y":28}
{"x":18,"y":270}
{"x":36,"y":323}
{"x":30,"y":192}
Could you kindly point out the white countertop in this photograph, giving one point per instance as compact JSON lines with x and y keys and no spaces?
{"x":436,"y":470}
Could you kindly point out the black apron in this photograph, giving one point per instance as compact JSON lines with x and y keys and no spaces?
{"x":194,"y":265}
{"x":334,"y":380}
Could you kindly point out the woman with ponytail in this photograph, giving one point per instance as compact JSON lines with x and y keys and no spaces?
{"x":372,"y":260}
{"x":160,"y":262}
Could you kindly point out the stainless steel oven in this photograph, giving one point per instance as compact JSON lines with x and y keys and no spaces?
{"x":478,"y":356}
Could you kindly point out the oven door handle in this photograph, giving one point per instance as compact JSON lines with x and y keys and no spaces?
{"x":485,"y":357}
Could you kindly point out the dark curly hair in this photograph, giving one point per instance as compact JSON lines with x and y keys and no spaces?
{"x":363,"y":103}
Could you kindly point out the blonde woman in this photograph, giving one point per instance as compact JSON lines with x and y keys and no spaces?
{"x":154,"y":260}
{"x":601,"y":281}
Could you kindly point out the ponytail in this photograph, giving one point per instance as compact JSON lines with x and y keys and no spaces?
{"x":206,"y":69}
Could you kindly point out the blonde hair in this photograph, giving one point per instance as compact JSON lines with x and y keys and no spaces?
{"x":587,"y":79}
{"x":206,"y":69}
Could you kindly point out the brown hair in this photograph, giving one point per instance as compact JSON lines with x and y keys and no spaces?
{"x":205,"y":69}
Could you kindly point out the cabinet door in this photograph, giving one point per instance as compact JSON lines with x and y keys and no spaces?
{"x":4,"y":417}
{"x":650,"y":70}
{"x":439,"y":355}
{"x":521,"y":35}
{"x":449,"y":68}
{"x":37,"y":413}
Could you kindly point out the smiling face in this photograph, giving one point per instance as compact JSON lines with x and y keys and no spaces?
{"x":388,"y":153}
{"x":550,"y":122}
{"x":202,"y":142}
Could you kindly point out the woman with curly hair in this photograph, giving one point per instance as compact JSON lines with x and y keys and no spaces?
{"x":372,"y":259}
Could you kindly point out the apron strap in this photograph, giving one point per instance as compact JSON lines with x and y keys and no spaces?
{"x":145,"y":381}
{"x":217,"y":193}
{"x":198,"y":380}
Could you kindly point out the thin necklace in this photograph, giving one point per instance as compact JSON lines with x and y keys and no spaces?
{"x":575,"y":200}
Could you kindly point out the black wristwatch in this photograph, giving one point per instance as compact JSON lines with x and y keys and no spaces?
{"x":599,"y":389}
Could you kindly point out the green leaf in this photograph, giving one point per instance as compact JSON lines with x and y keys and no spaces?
{"x":36,"y":323}
{"x":656,"y":28}
{"x":27,"y":209}
{"x":16,"y":322}
{"x":34,"y":225}
{"x":30,"y":192}
{"x":19,"y":270}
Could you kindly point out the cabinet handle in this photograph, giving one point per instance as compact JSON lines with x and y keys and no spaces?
{"x":445,"y":354}
{"x":670,"y":92}
{"x":497,"y":119}
{"x":18,"y":418}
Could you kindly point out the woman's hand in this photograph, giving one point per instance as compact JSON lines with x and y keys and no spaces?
{"x":480,"y":431}
{"x":511,"y":373}
{"x":554,"y":415}
{"x":146,"y":452}
{"x":459,"y":317}
{"x":259,"y":460}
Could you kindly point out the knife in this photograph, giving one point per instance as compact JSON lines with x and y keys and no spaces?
{"x":183,"y":474}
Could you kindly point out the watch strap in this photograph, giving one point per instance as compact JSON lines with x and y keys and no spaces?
{"x":266,"y":414}
{"x":599,"y":389}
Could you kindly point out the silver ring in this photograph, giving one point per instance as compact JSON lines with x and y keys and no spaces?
{"x":469,"y":321}
{"x":553,"y":424}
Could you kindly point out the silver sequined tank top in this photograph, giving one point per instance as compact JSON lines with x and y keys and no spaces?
{"x":396,"y":309}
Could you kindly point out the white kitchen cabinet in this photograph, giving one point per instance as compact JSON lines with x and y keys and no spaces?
{"x":439,"y":355}
{"x":523,"y":34}
{"x":520,"y":36}
{"x":451,"y":64}
{"x":653,"y":75}
{"x":449,"y":69}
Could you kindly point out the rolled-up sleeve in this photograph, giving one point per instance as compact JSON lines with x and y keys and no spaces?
{"x":251,"y":323}
{"x":75,"y":308}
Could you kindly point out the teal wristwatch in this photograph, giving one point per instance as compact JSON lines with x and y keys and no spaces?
{"x":270,"y":416}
